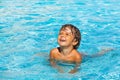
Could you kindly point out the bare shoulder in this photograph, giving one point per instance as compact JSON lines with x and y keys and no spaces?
{"x":53,"y":51}
{"x":78,"y":55}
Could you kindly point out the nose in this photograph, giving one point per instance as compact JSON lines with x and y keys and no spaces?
{"x":63,"y":35}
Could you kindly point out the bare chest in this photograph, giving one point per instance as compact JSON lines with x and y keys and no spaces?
{"x":66,"y":58}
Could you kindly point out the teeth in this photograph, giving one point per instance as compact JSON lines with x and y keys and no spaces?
{"x":62,"y":40}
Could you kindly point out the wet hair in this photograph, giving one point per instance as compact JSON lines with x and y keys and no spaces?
{"x":75,"y":31}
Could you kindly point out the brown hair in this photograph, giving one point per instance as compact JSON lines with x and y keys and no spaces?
{"x":75,"y":31}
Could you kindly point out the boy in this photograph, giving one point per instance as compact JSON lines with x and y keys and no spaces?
{"x":69,"y":40}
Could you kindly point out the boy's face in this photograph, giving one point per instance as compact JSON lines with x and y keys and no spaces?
{"x":66,"y":38}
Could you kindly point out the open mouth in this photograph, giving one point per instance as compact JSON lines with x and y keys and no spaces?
{"x":62,"y":40}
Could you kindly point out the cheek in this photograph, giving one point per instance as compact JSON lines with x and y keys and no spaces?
{"x":70,"y":38}
{"x":58,"y":39}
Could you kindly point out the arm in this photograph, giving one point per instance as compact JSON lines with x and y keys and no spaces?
{"x":53,"y":62}
{"x":75,"y":69}
{"x":102,"y":52}
{"x":77,"y":64}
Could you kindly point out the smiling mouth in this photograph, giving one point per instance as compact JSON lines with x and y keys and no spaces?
{"x":62,"y":40}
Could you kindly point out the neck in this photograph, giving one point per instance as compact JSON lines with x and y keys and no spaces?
{"x":66,"y":50}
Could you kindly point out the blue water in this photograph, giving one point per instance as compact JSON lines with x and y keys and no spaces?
{"x":29,"y":29}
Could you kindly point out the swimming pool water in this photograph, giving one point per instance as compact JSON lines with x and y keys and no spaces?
{"x":29,"y":29}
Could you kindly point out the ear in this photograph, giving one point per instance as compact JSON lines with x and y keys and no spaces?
{"x":75,"y":42}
